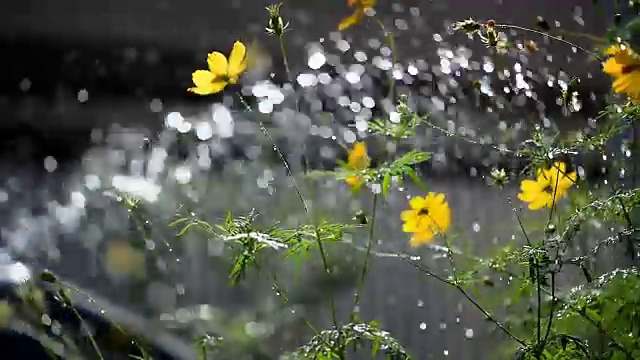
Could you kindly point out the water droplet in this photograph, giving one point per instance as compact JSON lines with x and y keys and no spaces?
{"x":468,"y":333}
{"x":423,"y":326}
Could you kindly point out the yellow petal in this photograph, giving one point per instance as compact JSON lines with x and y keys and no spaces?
{"x":542,"y":200}
{"x":417,"y":203}
{"x":353,"y":181}
{"x":357,"y":157}
{"x":530,"y":185}
{"x":355,"y":18}
{"x":421,"y":238}
{"x":438,"y":199}
{"x":442,"y":218}
{"x":560,"y":167}
{"x":237,"y":60}
{"x":410,"y":227}
{"x":206,"y":83}
{"x":628,"y":84}
{"x":612,"y":67}
{"x":528,"y":196}
{"x":208,"y":88}
{"x":568,"y":180}
{"x":367,"y":3}
{"x":613,"y":50}
{"x":202,"y":78}
{"x":408,"y":215}
{"x":217,"y":64}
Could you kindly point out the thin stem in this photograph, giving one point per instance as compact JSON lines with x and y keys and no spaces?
{"x":285,"y":300}
{"x":285,"y":59}
{"x":280,"y":155}
{"x":553,"y":305}
{"x":516,"y":27}
{"x":542,"y":340}
{"x":115,"y":325}
{"x":287,"y":69}
{"x":536,"y":266}
{"x":365,"y":265}
{"x":394,"y":56}
{"x":472,"y":141}
{"x":93,"y":342}
{"x":327,"y":269}
{"x":487,"y":315}
{"x":583,"y":35}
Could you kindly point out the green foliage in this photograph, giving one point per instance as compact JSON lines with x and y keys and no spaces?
{"x":399,"y":168}
{"x":403,"y":126}
{"x":330,"y":344}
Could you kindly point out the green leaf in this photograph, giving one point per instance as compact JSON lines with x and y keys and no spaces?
{"x":386,"y":184}
{"x":416,"y":180}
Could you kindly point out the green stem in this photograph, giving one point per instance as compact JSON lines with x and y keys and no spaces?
{"x":535,"y":263}
{"x":583,"y":35}
{"x":515,"y":27}
{"x":486,"y":314}
{"x":542,"y":341}
{"x":285,"y":59}
{"x":287,"y":69}
{"x":394,"y":55}
{"x":93,"y":342}
{"x":280,"y":155}
{"x":365,"y":265}
{"x":327,"y":269}
{"x":285,"y":300}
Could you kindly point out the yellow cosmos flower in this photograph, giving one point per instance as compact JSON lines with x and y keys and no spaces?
{"x":549,"y":186}
{"x":357,"y":159}
{"x":360,"y":7}
{"x":429,"y":216}
{"x":221,"y":72}
{"x":624,"y":66}
{"x":122,"y":258}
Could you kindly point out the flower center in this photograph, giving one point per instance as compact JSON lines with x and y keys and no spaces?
{"x":423,"y":212}
{"x":548,"y":189}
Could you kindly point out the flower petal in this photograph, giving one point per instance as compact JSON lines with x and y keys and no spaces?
{"x":217,"y":64}
{"x":612,"y":67}
{"x":528,"y":196}
{"x":628,"y":84}
{"x":237,"y":60}
{"x":530,"y":185}
{"x":408,"y":215}
{"x":421,"y":238}
{"x":357,"y":157}
{"x":202,"y":78}
{"x":542,"y":200}
{"x":355,"y":18}
{"x":410,"y":227}
{"x":206,"y":83}
{"x":417,"y":203}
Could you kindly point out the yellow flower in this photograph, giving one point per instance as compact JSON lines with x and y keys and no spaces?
{"x":550,"y":185}
{"x":360,"y":7}
{"x":221,"y":72}
{"x":123,"y":259}
{"x":624,"y":66}
{"x":357,"y":159}
{"x":428,"y":217}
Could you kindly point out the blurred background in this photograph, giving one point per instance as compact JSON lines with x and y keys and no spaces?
{"x":93,"y":98}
